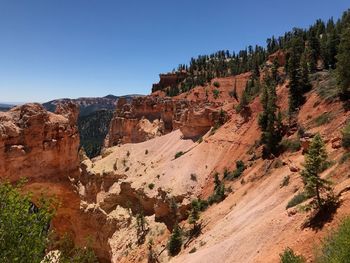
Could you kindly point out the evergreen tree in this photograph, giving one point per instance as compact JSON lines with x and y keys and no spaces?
{"x":315,"y":163}
{"x":274,"y":71}
{"x":175,"y":241}
{"x":194,"y":213}
{"x":269,"y":122}
{"x":343,"y":65}
{"x":295,"y":91}
{"x":312,"y":51}
{"x":304,"y":75}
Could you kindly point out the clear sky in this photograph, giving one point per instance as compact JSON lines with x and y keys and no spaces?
{"x":69,"y":48}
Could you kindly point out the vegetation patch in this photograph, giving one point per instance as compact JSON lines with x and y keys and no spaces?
{"x":240,"y":167}
{"x":285,"y":181}
{"x":345,"y":157}
{"x":216,"y":93}
{"x":297,"y":199}
{"x":323,"y":119}
{"x":292,"y":145}
{"x":335,"y":247}
{"x":346,"y":136}
{"x":325,"y":85}
{"x":216,"y":84}
{"x":179,"y":154}
{"x":288,"y":256}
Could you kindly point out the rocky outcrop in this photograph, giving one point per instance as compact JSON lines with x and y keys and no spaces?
{"x":169,"y":80}
{"x":31,"y":135}
{"x":43,"y":148}
{"x":147,"y":117}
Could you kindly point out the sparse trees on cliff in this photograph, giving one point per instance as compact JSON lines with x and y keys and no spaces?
{"x":343,"y":65}
{"x":269,"y":121}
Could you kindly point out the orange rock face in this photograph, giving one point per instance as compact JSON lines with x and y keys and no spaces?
{"x":43,"y":148}
{"x":148,"y":117}
{"x":31,"y":135}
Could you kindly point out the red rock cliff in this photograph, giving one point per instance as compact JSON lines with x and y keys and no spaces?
{"x":147,"y":117}
{"x":43,"y":147}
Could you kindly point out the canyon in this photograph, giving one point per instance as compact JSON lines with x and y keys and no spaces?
{"x":163,"y":152}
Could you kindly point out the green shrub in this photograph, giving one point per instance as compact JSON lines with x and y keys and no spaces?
{"x":297,"y":199}
{"x":179,"y":154}
{"x":285,"y":181}
{"x":23,"y":226}
{"x":346,"y":136}
{"x":288,"y":256}
{"x":216,"y":93}
{"x":336,"y":247}
{"x":216,"y":84}
{"x":291,"y":145}
{"x":327,"y":88}
{"x":323,"y":119}
{"x":344,"y":158}
{"x":240,"y":167}
{"x":151,"y":186}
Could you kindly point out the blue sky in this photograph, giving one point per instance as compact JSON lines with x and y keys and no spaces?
{"x":69,"y":48}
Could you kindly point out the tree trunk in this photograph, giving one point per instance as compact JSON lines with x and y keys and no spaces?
{"x":319,"y":202}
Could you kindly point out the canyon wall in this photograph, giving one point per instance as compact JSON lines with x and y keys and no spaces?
{"x":151,"y":116}
{"x":43,"y":148}
{"x":31,"y":135}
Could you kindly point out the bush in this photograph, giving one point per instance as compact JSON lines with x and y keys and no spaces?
{"x":285,"y":181}
{"x":151,"y":186}
{"x":216,"y":93}
{"x":23,"y":225}
{"x":336,"y":246}
{"x":179,"y":154}
{"x":323,"y":119}
{"x":146,"y":152}
{"x":240,"y":167}
{"x":291,"y":145}
{"x":216,"y":84}
{"x":344,"y":158}
{"x":346,"y":136}
{"x":297,"y":199}
{"x":288,"y":256}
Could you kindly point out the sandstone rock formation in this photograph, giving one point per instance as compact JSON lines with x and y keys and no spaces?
{"x":31,"y":135}
{"x":43,"y":148}
{"x":148,"y":117}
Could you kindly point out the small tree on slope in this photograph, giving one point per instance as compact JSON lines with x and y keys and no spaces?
{"x":175,"y":241}
{"x":315,"y":163}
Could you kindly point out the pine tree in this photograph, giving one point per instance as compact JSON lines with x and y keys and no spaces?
{"x":274,"y":70}
{"x":315,"y":163}
{"x":343,"y":65}
{"x":269,"y":122}
{"x":175,"y":241}
{"x":312,"y":51}
{"x":304,"y":75}
{"x":194,"y":213}
{"x":295,"y":91}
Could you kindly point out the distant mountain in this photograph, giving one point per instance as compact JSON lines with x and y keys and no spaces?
{"x":5,"y":107}
{"x":90,"y":105}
